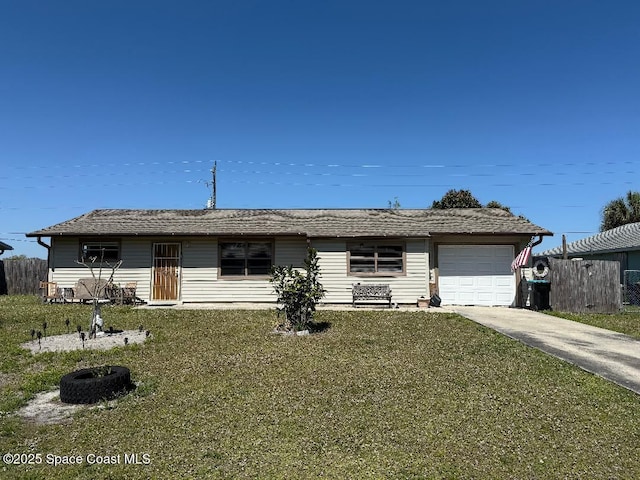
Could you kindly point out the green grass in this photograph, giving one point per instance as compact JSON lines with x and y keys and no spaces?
{"x":378,"y":394}
{"x":627,"y":321}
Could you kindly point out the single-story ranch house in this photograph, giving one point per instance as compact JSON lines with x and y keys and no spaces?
{"x":225,"y":255}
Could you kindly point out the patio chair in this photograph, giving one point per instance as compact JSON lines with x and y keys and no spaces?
{"x":50,"y":292}
{"x":129,"y":293}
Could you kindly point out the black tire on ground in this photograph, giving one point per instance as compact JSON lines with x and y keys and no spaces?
{"x":91,"y":385}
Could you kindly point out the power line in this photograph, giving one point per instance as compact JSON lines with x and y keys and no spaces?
{"x":488,"y":174}
{"x":104,"y":168}
{"x":596,"y":182}
{"x":434,"y":165}
{"x":13,"y":240}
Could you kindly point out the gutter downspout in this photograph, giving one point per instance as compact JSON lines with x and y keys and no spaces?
{"x":48,"y":247}
{"x":40,"y":242}
{"x":537,"y":242}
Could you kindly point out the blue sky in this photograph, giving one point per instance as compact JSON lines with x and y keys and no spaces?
{"x":305,"y":104}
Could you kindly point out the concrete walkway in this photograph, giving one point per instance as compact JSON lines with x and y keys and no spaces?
{"x":610,"y":355}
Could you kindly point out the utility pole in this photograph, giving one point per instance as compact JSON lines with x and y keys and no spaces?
{"x":213,"y":173}
{"x":211,"y":203}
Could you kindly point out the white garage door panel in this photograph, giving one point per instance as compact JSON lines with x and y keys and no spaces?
{"x":485,"y":297}
{"x":476,"y":274}
{"x":466,"y":298}
{"x":505,"y":299}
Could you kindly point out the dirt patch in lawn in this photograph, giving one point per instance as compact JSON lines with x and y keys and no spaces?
{"x":72,"y":341}
{"x":46,"y":408}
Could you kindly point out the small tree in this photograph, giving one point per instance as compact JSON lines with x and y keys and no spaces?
{"x":457,"y":199}
{"x":298,"y":292}
{"x":98,"y":286}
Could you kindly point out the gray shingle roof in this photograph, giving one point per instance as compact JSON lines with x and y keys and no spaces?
{"x":309,"y":222}
{"x":4,"y":246}
{"x":624,"y":238}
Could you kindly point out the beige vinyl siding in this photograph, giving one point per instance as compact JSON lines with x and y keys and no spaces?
{"x":406,"y":289}
{"x":135,"y":253}
{"x":62,"y":267}
{"x":244,"y":291}
{"x":416,"y":282}
{"x":332,"y":260}
{"x":201,"y":282}
{"x":291,"y":251}
{"x":136,"y":265}
{"x":199,"y":269}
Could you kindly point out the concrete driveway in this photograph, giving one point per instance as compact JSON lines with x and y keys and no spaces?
{"x":611,"y":355}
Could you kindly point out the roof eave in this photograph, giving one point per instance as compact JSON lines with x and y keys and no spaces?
{"x":278,"y":233}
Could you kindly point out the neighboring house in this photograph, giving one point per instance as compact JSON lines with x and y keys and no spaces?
{"x":621,"y":244}
{"x":4,"y":247}
{"x":226,"y":255}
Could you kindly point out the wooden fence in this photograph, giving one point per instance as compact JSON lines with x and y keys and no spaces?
{"x":22,"y":276}
{"x":585,"y":286}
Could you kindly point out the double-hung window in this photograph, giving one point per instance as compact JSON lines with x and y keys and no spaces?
{"x":371,"y":258}
{"x":245,"y":259}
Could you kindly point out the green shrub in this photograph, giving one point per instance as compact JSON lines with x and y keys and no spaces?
{"x":298,"y":292}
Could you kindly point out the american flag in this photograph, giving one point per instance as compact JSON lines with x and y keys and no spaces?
{"x":521,"y":259}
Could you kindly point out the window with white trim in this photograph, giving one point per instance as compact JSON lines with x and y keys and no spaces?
{"x":101,"y":251}
{"x":370,"y":258}
{"x":246,"y":259}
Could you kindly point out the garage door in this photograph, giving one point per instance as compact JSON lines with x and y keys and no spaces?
{"x":476,"y":274}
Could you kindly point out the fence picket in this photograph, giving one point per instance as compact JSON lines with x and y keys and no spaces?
{"x":585,"y":286}
{"x":22,"y":276}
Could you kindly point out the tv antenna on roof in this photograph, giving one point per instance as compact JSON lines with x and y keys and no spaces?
{"x":211,"y":203}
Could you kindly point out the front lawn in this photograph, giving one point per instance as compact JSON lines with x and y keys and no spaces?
{"x":377,"y":394}
{"x":626,"y":321}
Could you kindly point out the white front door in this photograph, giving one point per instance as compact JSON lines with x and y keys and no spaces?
{"x":476,"y":274}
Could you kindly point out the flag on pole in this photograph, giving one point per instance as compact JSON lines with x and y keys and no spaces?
{"x":521,"y":259}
